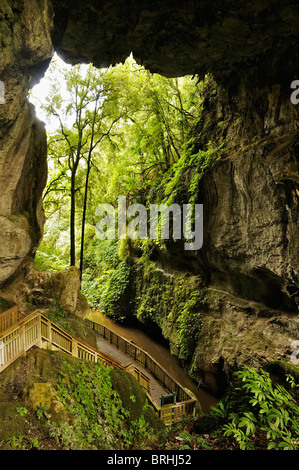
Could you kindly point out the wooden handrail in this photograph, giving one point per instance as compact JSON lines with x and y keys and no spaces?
{"x":169,"y":414}
{"x":149,"y":362}
{"x":72,"y":338}
{"x":12,"y":339}
{"x":173,"y":413}
{"x":9,"y":318}
{"x":37,"y":330}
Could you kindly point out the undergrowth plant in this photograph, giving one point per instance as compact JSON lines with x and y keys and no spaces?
{"x":106,"y":279}
{"x":99,"y":419}
{"x":256,"y":407}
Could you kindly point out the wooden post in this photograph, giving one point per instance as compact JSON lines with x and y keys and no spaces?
{"x":22,"y":339}
{"x":2,"y":353}
{"x":74,"y":348}
{"x":39,"y":331}
{"x":49,"y":333}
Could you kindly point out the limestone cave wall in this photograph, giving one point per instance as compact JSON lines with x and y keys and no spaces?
{"x":251,"y":48}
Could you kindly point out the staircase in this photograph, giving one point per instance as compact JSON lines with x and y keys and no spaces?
{"x":19,"y":333}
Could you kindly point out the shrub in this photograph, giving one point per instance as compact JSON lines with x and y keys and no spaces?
{"x":255,"y":406}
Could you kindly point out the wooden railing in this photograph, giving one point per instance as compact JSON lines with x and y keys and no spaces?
{"x":18,"y":333}
{"x":140,"y":376}
{"x":170,"y":414}
{"x":37,"y":330}
{"x":9,"y":318}
{"x":186,"y":402}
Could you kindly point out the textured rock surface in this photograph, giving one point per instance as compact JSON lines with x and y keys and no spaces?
{"x":251,"y":202}
{"x":176,"y":37}
{"x":231,"y":331}
{"x":34,"y":289}
{"x":249,"y":262}
{"x":15,"y":244}
{"x":251,"y":199}
{"x":65,"y":286}
{"x":236,"y":333}
{"x":172,"y":37}
{"x":25,"y":44}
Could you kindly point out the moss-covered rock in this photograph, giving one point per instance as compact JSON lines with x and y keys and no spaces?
{"x":134,"y":399}
{"x":175,"y":302}
{"x":65,"y":287}
{"x":67,"y":403}
{"x":5,"y":305}
{"x":44,"y":397}
{"x":132,"y":396}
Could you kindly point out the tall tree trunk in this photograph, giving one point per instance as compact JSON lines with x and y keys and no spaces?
{"x":84,"y":214}
{"x":72,"y":221}
{"x":86,"y":185}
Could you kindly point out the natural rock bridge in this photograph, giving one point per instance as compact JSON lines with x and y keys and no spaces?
{"x":250,"y":198}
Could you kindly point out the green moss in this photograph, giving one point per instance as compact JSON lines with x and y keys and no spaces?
{"x":279,"y":369}
{"x":134,"y":399}
{"x":175,"y":303}
{"x":5,"y":304}
{"x":124,"y":250}
{"x":132,"y":396}
{"x":12,"y":424}
{"x":71,"y":404}
{"x":107,"y":278}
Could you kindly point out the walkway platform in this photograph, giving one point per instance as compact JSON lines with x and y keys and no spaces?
{"x":156,"y":390}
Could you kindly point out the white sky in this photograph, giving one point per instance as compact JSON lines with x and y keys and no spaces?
{"x":39,"y":92}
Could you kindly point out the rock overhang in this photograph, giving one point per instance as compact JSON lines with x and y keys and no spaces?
{"x":176,"y":38}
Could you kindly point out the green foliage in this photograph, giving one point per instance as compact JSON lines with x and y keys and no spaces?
{"x":154,"y":296}
{"x":254,"y":405}
{"x":185,"y":175}
{"x":191,"y":442}
{"x":42,"y":411}
{"x":22,"y":410}
{"x":33,"y":443}
{"x":56,"y":312}
{"x":106,"y":279}
{"x":134,"y":400}
{"x":142,"y":128}
{"x":51,"y":257}
{"x":178,"y":298}
{"x":99,"y":419}
{"x":188,"y":442}
{"x":58,"y":315}
{"x":188,"y":324}
{"x":114,"y":293}
{"x":16,"y":443}
{"x":151,"y":148}
{"x":5,"y":305}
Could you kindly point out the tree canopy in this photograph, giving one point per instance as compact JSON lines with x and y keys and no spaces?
{"x":117,"y":131}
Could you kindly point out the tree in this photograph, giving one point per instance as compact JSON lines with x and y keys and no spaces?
{"x":118,"y":131}
{"x":86,"y":114}
{"x":160,"y":113}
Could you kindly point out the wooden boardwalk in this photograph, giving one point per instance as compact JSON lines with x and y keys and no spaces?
{"x":18,"y":333}
{"x":156,"y":390}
